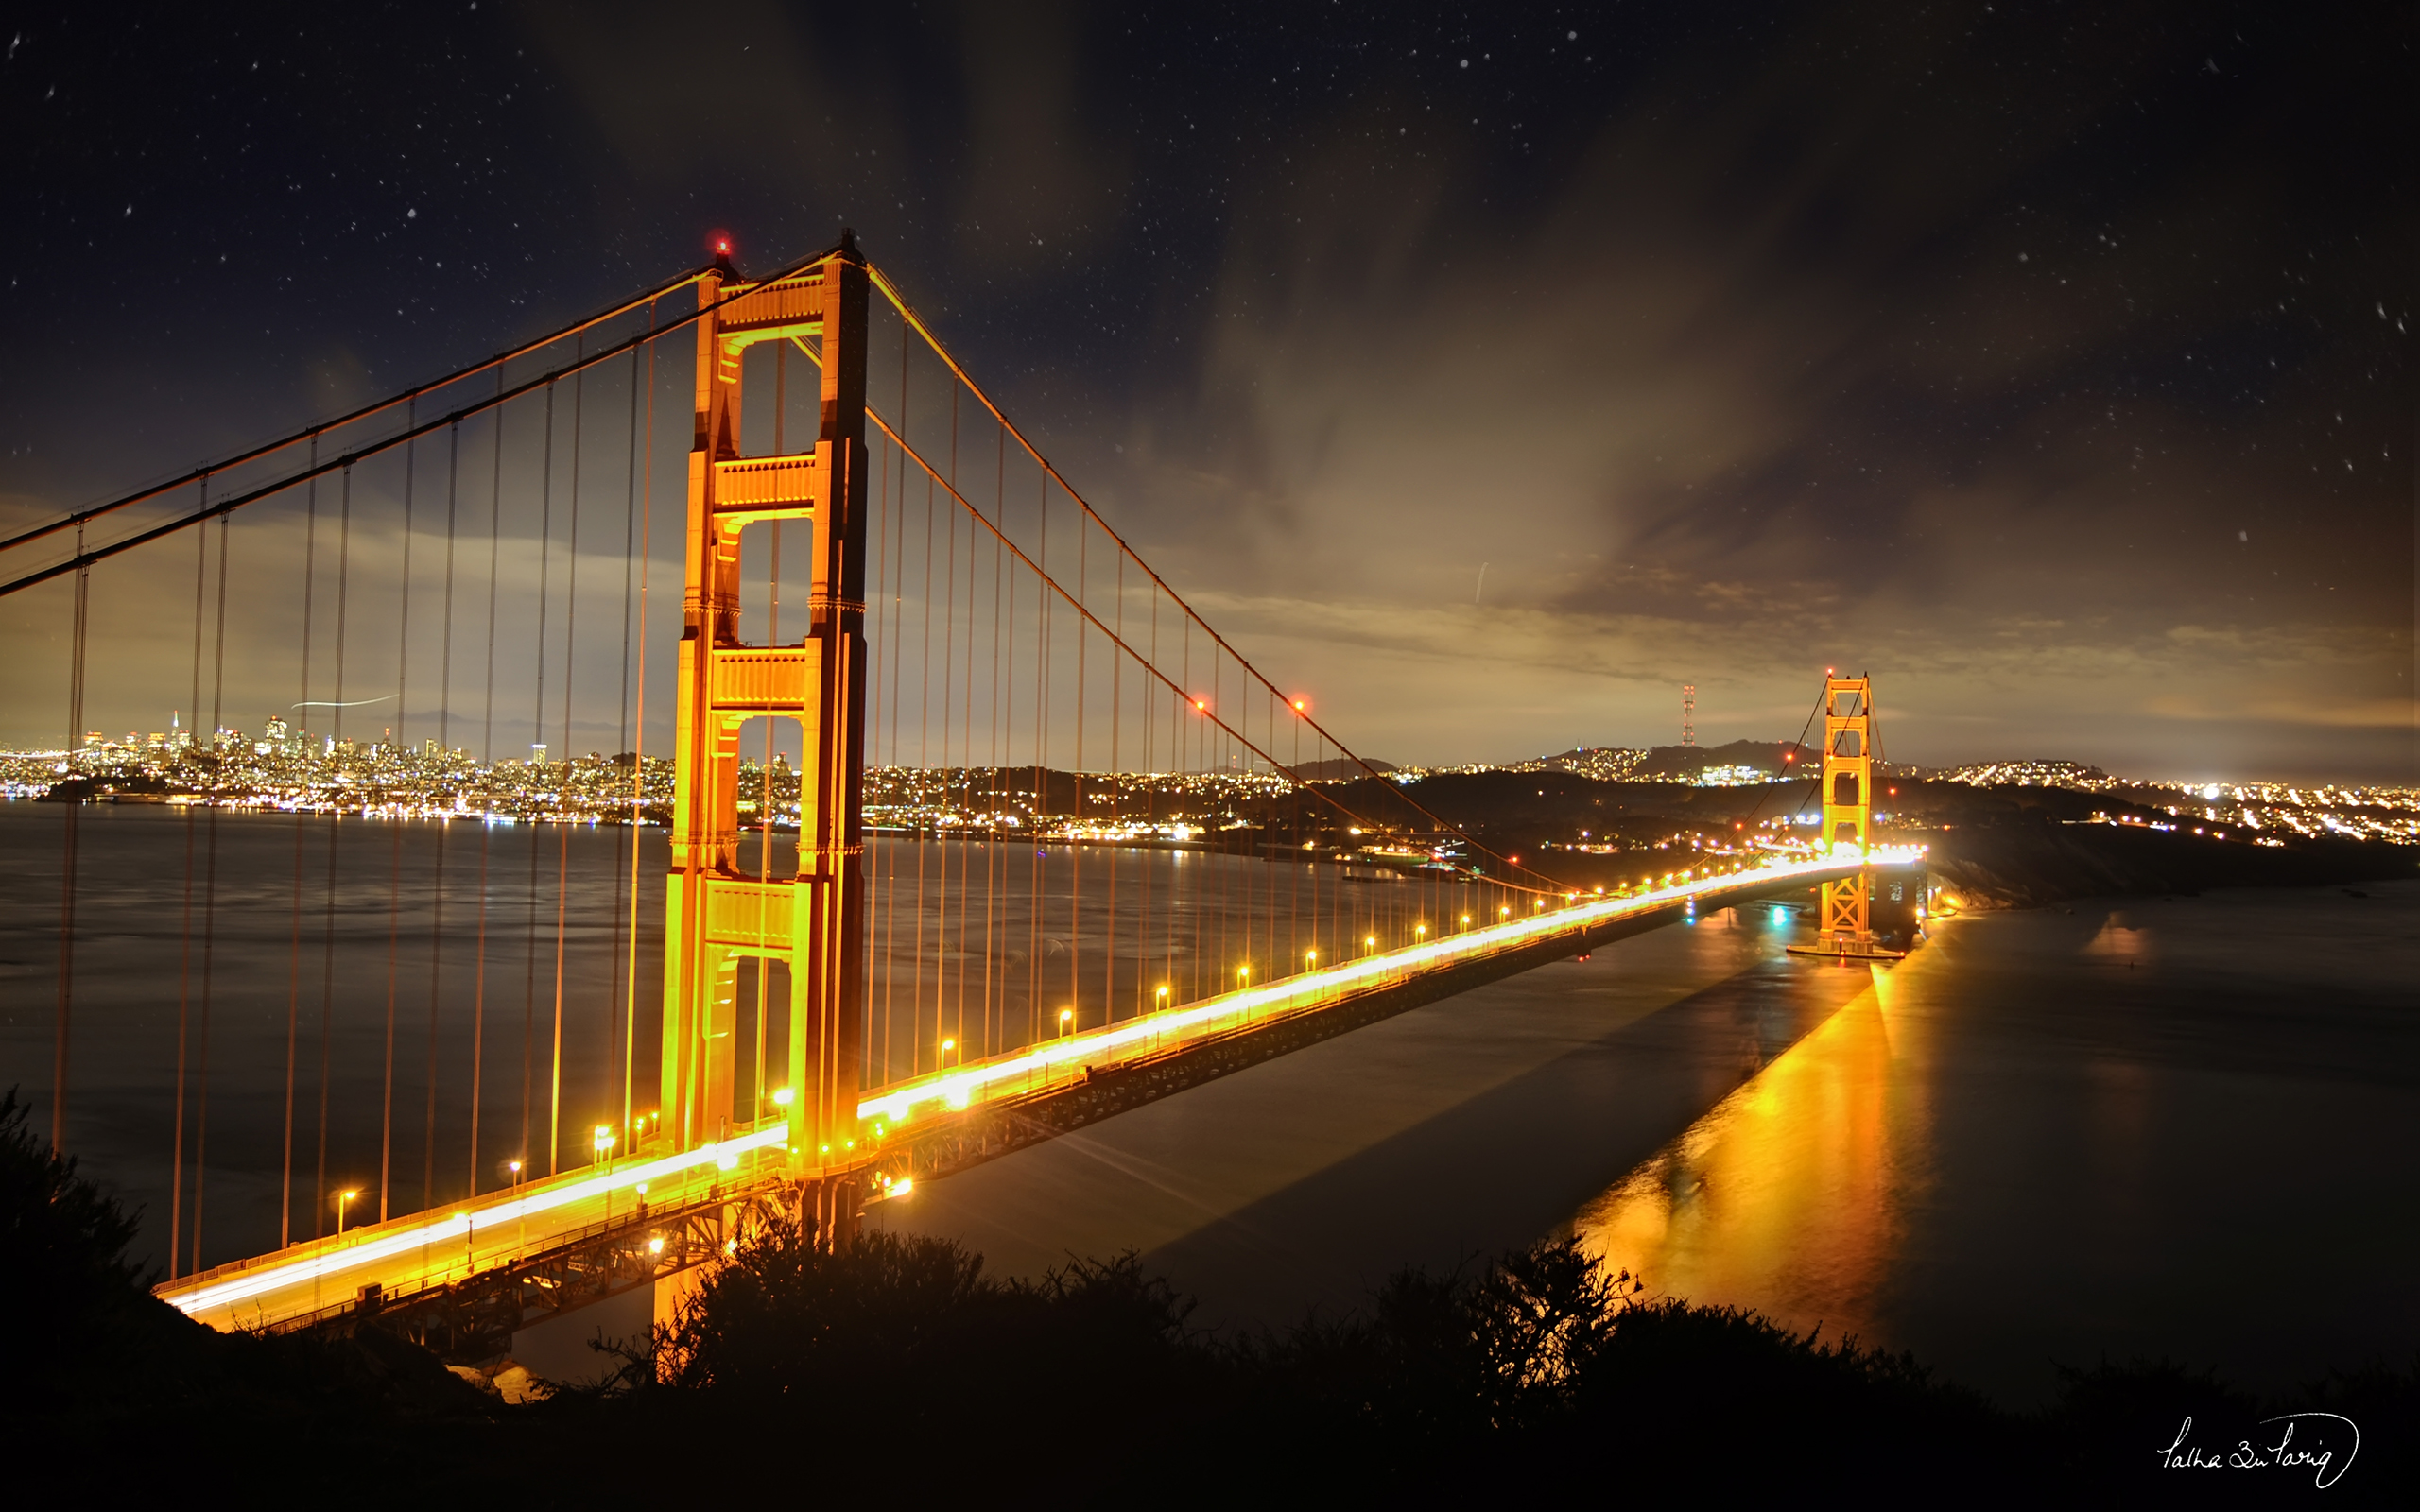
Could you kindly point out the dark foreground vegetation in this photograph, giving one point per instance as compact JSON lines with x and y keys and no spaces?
{"x":897,"y":1369}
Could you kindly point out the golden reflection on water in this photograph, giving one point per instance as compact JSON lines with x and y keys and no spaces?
{"x":1788,"y":1196}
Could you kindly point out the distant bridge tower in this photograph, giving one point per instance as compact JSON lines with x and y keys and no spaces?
{"x":715,"y":912}
{"x":1688,"y":713}
{"x":1846,"y":927}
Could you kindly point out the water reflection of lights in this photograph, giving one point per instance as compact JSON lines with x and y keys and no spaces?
{"x":1785,"y":1196}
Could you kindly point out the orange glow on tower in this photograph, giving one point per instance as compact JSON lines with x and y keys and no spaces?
{"x":1848,"y":811}
{"x":717,"y":914}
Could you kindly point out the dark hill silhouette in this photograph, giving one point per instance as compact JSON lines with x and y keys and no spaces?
{"x":1340,"y":769}
{"x":1688,"y":761}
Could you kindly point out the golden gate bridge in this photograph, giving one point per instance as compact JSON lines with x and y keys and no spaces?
{"x":1113,"y":857}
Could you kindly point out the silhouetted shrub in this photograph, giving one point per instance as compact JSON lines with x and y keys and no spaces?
{"x":63,"y":1241}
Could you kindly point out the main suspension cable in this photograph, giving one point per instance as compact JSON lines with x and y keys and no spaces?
{"x":912,"y":319}
{"x":202,"y":473}
{"x":86,"y":558}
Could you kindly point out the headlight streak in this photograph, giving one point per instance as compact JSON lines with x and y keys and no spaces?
{"x":456,"y":1226}
{"x":959,"y":1086}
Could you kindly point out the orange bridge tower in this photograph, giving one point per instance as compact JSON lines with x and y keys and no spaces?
{"x":1847,"y":926}
{"x":811,"y":922}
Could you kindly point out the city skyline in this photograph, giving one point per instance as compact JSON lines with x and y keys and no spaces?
{"x":286,"y":768}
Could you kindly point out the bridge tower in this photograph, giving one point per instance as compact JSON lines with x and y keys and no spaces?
{"x":811,"y":920}
{"x":1846,"y":927}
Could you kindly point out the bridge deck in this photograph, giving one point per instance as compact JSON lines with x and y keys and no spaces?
{"x":409,"y":1254}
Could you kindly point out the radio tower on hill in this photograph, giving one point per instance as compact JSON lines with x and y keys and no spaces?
{"x":1688,"y":713}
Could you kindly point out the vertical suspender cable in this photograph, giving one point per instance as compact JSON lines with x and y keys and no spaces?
{"x":628,"y":831}
{"x":638,"y":745}
{"x":301,"y":822}
{"x":1118,"y":792}
{"x":1040,"y":757}
{"x":874,"y":723}
{"x":537,"y":736}
{"x":68,"y":825}
{"x":395,"y":837}
{"x":184,"y":951}
{"x":877,"y":1048}
{"x":335,"y":823}
{"x":966,"y":765}
{"x":445,"y":826}
{"x":991,"y":850}
{"x":923,"y":773}
{"x":949,"y":664}
{"x":210,"y":899}
{"x":1183,"y":762}
{"x":1004,"y":678}
{"x":1075,"y":843}
{"x":1150,"y":730}
{"x":487,"y":759}
{"x":562,"y":823}
{"x":898,"y":657}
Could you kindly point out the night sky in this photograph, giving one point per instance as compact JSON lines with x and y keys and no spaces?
{"x":2051,"y":362}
